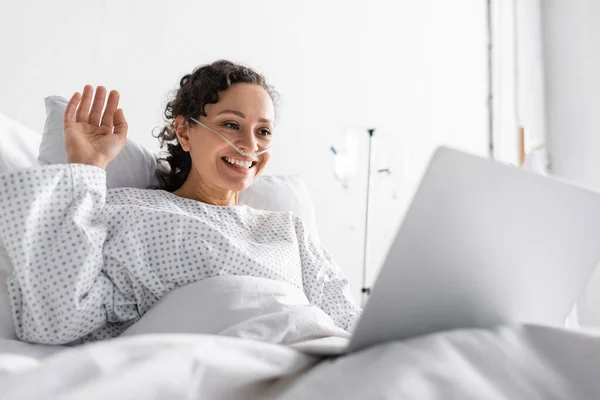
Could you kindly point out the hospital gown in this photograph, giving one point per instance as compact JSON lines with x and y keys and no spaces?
{"x":89,"y":262}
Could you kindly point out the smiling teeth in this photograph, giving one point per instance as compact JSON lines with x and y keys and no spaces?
{"x":240,"y":163}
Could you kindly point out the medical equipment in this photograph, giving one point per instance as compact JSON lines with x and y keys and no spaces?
{"x":345,"y":162}
{"x":242,"y":152}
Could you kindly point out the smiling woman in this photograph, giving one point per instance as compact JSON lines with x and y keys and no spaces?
{"x":90,"y":262}
{"x":219,"y":126}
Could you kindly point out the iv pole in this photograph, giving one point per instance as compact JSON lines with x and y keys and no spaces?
{"x":367,"y":290}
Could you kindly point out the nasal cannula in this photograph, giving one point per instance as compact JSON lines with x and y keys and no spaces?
{"x":242,"y":152}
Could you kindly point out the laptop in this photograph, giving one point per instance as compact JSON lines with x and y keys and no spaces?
{"x":482,"y":244}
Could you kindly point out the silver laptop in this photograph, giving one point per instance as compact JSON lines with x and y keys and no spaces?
{"x":483,"y":244}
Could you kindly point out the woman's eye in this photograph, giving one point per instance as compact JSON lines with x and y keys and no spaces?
{"x":231,"y":125}
{"x":265,"y":132}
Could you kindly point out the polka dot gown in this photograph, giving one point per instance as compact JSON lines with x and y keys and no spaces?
{"x":89,"y":262}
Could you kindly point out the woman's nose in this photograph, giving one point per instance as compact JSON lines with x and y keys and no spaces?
{"x":247,"y":141}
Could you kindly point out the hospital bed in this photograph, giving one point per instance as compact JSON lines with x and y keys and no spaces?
{"x":509,"y":362}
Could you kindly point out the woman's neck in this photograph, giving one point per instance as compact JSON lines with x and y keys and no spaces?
{"x":196,"y":189}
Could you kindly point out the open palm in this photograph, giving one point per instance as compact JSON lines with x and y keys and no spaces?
{"x":94,"y":137}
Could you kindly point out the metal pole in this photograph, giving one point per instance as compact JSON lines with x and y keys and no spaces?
{"x":366,"y":290}
{"x":490,"y":63}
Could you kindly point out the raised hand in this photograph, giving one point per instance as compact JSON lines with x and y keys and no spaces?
{"x":93,"y":137}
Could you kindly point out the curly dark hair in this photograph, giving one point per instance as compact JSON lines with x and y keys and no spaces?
{"x":196,"y":90}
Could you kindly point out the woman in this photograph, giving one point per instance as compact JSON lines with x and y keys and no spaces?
{"x":89,"y":262}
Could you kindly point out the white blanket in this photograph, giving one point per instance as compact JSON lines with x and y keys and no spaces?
{"x":508,"y":363}
{"x":152,"y":361}
{"x":529,"y":362}
{"x":240,"y":306}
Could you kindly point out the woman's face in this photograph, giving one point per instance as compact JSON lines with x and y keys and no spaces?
{"x":244,"y":114}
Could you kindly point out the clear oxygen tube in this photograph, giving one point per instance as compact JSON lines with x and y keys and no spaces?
{"x":242,"y":152}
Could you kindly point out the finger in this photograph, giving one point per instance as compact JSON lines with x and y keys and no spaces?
{"x":84,"y":106}
{"x":72,"y":107}
{"x":120,"y":124}
{"x":97,"y":106}
{"x":111,"y":107}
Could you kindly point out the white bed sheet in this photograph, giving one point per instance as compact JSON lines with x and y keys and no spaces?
{"x":528,"y":362}
{"x":507,"y":363}
{"x":37,"y":351}
{"x":173,"y":352}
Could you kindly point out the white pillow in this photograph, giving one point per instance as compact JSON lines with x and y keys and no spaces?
{"x":282,"y":193}
{"x":18,"y":149}
{"x":135,"y":166}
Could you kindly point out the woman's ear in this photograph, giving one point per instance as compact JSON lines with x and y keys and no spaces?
{"x":182,"y":132}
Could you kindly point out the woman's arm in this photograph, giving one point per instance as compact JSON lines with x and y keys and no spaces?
{"x":52,"y":229}
{"x":324,"y":283}
{"x":51,"y":225}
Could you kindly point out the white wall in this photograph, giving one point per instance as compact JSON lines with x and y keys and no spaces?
{"x":572,"y":78}
{"x":530,"y":83}
{"x":572,"y":56}
{"x":518,"y":77}
{"x":415,"y":70}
